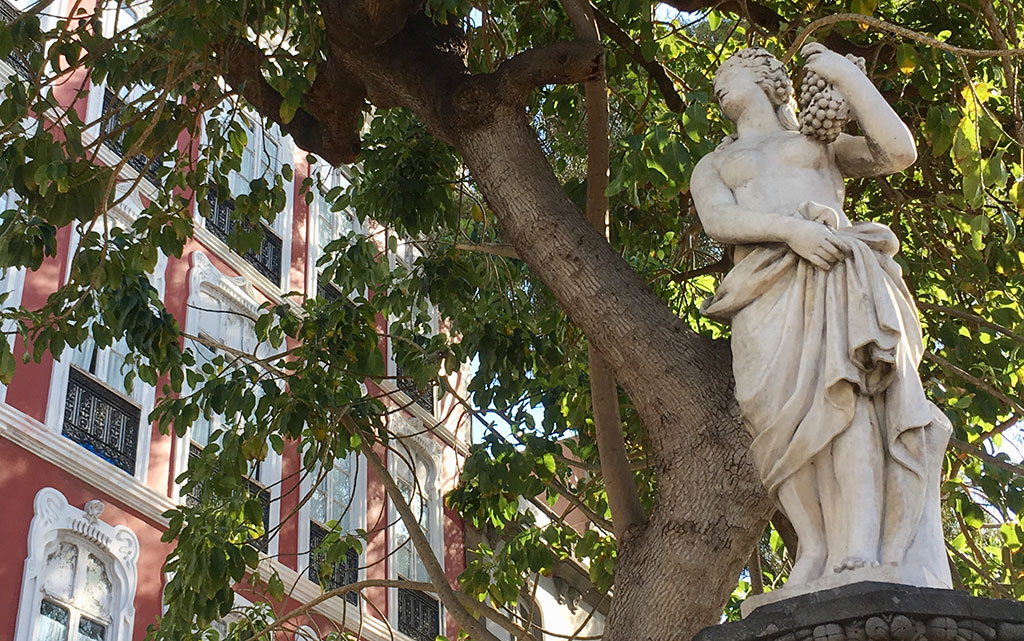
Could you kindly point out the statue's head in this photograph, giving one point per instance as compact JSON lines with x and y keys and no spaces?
{"x":755,"y":67}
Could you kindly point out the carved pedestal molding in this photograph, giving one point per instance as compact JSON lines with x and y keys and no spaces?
{"x":872,"y":611}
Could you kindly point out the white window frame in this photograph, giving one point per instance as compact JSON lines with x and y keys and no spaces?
{"x":97,"y":91}
{"x":144,"y":394}
{"x":331,"y":177}
{"x":357,"y":517}
{"x":56,"y":520}
{"x":409,"y":437}
{"x":238,"y":294}
{"x":12,"y":281}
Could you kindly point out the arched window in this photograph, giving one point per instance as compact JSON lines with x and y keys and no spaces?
{"x":334,"y":505}
{"x":80,"y":575}
{"x":414,"y":464}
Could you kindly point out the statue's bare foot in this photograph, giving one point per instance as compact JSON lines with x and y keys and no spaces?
{"x":854,"y":563}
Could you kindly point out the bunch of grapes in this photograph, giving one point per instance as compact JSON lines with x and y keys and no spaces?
{"x":823,"y":110}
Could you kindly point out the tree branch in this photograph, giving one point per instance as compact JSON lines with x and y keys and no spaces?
{"x":337,"y":144}
{"x":653,"y":68}
{"x":974,"y":380}
{"x":981,"y":454}
{"x":495,"y":249}
{"x":471,"y":625}
{"x":623,"y":497}
{"x":973,"y":318}
{"x":898,"y":30}
{"x":555,"y":63}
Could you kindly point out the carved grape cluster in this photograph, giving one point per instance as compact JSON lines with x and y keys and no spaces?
{"x":823,"y":110}
{"x":903,"y":628}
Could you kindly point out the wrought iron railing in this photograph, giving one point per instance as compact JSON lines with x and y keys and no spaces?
{"x":422,"y":396}
{"x":340,"y":574}
{"x":327,"y":290}
{"x":101,"y":420}
{"x":419,"y":615}
{"x":8,"y":14}
{"x":113,"y":110}
{"x":194,"y":498}
{"x":221,"y":224}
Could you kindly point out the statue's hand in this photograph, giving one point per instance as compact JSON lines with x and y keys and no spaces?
{"x":818,"y":244}
{"x":828,"y":64}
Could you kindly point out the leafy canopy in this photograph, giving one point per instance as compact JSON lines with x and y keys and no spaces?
{"x":956,"y":212}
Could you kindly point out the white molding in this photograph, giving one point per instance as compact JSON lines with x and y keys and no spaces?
{"x":439,"y":429}
{"x":239,"y":264}
{"x":55,"y":519}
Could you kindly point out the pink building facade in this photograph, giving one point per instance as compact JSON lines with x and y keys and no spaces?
{"x":84,"y":478}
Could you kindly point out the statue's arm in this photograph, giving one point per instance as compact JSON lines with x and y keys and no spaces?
{"x":725,"y":221}
{"x":887,"y":146}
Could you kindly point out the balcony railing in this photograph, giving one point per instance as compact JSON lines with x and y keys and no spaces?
{"x":221,"y":224}
{"x":101,"y":420}
{"x":193,"y":499}
{"x":422,"y":396}
{"x":113,"y":110}
{"x":327,"y":290}
{"x":419,"y":615}
{"x":8,"y":14}
{"x":342,"y":573}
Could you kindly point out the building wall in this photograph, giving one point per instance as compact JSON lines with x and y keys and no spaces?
{"x":35,"y":455}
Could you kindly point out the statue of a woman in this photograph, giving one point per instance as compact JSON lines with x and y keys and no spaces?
{"x":825,"y":336}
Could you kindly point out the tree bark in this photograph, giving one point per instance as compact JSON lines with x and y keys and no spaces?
{"x":710,"y":506}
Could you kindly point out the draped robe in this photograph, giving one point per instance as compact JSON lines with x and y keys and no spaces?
{"x":808,"y":346}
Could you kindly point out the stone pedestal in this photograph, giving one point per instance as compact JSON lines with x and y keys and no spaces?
{"x":873,"y":611}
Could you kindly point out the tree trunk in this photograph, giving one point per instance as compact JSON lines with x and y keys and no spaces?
{"x":674,"y":576}
{"x":711,"y":506}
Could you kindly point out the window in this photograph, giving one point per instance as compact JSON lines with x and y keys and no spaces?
{"x":87,"y":400}
{"x":329,"y":225}
{"x":98,"y":414}
{"x":76,"y":595}
{"x":414,"y":467}
{"x":222,"y":308}
{"x":331,"y":508}
{"x":261,"y":157}
{"x":80,"y":575}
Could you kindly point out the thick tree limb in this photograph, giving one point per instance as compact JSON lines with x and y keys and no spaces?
{"x":337,"y":143}
{"x":653,"y":68}
{"x":555,"y":63}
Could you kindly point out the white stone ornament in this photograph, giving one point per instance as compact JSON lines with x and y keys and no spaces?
{"x":825,"y":336}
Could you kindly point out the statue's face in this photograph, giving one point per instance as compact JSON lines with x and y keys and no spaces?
{"x":735,"y":88}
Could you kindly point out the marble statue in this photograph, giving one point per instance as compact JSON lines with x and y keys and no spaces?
{"x":825,"y":335}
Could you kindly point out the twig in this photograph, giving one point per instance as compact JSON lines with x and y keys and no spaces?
{"x":898,"y":30}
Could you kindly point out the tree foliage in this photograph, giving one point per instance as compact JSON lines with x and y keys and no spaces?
{"x":193,"y":70}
